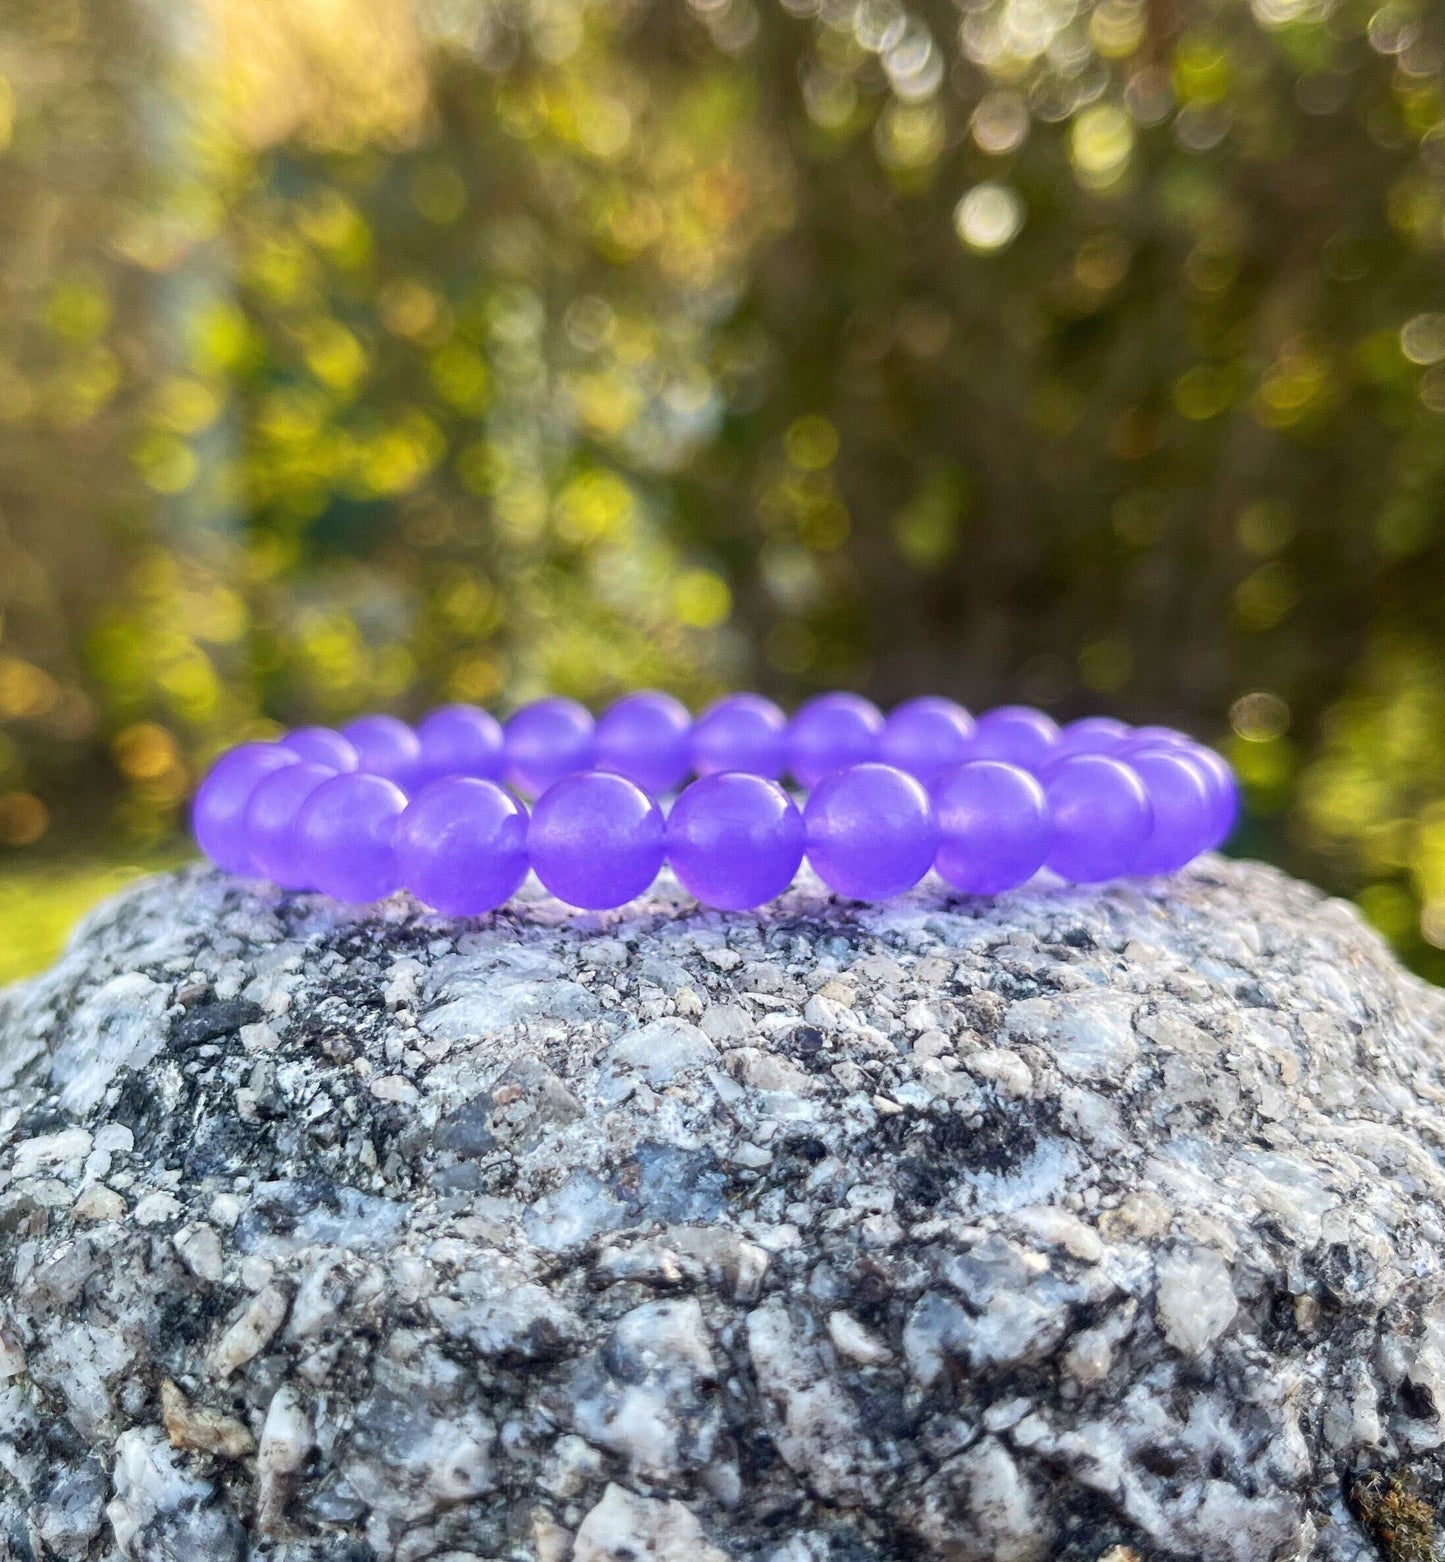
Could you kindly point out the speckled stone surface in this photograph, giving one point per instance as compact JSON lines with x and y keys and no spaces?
{"x":1086,"y":1225}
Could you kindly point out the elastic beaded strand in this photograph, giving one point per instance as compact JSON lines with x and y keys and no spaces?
{"x":1107,"y":800}
{"x":650,"y":738}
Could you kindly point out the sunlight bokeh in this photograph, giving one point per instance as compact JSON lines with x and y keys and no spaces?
{"x":371,"y":353}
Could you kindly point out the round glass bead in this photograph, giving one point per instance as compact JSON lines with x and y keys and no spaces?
{"x":596,"y":840}
{"x":740,"y":732}
{"x":870,"y":831}
{"x":1138,"y":735}
{"x":734,"y":840}
{"x":460,"y":740}
{"x":1101,"y":817}
{"x":1182,"y":804}
{"x":1224,"y":791}
{"x":322,"y":746}
{"x":386,"y":747}
{"x":925,"y":737}
{"x":829,"y":732}
{"x":1091,"y":735}
{"x":545,"y":741}
{"x":1219,"y":775}
{"x":993,"y":826}
{"x":1016,"y":734}
{"x":271,"y":817}
{"x":344,"y":837}
{"x":461,"y":846}
{"x":645,"y":737}
{"x":218,"y":815}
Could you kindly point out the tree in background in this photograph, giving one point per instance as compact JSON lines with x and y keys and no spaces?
{"x":389,"y":351}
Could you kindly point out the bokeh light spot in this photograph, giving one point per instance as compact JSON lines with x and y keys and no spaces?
{"x":23,"y":818}
{"x":1263,"y":528}
{"x":701,"y":599}
{"x":1000,"y":122}
{"x":26,"y":690}
{"x":1101,"y":143}
{"x":989,"y":217}
{"x":1105,"y":665}
{"x":1259,"y":717}
{"x":1422,"y":338}
{"x":145,"y":751}
{"x":811,"y":442}
{"x":439,"y":193}
{"x":1265,"y":597}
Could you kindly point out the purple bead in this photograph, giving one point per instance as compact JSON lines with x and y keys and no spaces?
{"x":460,"y":740}
{"x":1158,"y":735}
{"x":870,"y":831}
{"x":925,"y":737}
{"x":830,"y":732}
{"x":740,"y":732}
{"x":645,"y":737}
{"x":545,"y":741}
{"x":386,"y":746}
{"x":1092,"y":735}
{"x":1224,"y":791}
{"x":344,"y":837}
{"x":993,"y":825}
{"x":1183,"y":806}
{"x":1219,"y":775}
{"x":1101,"y":817}
{"x":1016,"y":734}
{"x":461,"y":846}
{"x":218,"y":815}
{"x":596,"y":840}
{"x":271,"y":816}
{"x":322,"y":746}
{"x":734,"y":840}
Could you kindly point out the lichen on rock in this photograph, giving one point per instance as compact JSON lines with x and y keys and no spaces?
{"x":1080,"y":1225}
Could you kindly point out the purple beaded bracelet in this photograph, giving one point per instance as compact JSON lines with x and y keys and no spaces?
{"x":377,"y":807}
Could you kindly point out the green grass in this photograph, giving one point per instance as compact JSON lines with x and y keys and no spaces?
{"x":42,"y":901}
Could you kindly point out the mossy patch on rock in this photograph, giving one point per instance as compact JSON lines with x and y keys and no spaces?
{"x":1398,"y":1519}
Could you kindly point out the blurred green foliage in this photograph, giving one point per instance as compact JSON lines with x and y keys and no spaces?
{"x":366,"y":353}
{"x":40,"y":903}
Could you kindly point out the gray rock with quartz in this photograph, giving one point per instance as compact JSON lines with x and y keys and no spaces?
{"x":1084,"y":1225}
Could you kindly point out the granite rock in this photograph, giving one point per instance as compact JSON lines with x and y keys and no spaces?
{"x":1096,"y":1226}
